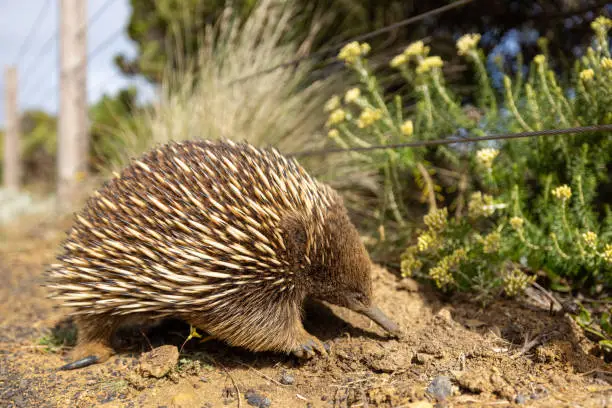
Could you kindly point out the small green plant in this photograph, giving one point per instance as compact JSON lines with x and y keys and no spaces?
{"x":598,"y":329}
{"x":63,"y":335}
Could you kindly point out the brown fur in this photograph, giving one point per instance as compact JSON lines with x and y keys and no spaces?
{"x":229,"y":238}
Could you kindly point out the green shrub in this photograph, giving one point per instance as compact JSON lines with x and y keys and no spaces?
{"x":525,"y":206}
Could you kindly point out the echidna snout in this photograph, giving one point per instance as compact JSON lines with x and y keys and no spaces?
{"x":225,"y":236}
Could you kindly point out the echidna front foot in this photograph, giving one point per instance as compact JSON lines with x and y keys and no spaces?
{"x":309,"y":346}
{"x":88,"y":354}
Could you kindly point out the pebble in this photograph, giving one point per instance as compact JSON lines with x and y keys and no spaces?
{"x":257,"y":400}
{"x":440,"y":387}
{"x":520,"y":399}
{"x":286,"y":378}
{"x":159,"y":361}
{"x":422,"y":358}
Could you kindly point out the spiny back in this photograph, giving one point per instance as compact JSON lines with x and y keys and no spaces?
{"x":188,"y":226}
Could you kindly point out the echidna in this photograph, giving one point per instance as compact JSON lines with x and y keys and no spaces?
{"x":225,"y":236}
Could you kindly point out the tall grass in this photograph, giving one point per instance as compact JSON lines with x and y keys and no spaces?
{"x":204,"y":97}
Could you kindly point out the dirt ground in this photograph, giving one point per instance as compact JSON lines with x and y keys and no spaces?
{"x":454,"y":353}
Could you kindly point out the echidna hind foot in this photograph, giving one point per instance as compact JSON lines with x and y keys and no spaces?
{"x":94,"y":343}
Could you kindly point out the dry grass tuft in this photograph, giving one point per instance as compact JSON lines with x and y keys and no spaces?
{"x":283,"y":108}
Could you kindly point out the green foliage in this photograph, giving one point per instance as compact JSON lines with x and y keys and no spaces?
{"x":533,"y":205}
{"x":108,"y":117}
{"x":598,"y":328}
{"x":38,"y":145}
{"x":155,"y":26}
{"x":63,"y":335}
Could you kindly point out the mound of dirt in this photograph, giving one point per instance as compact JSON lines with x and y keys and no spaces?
{"x":454,"y":353}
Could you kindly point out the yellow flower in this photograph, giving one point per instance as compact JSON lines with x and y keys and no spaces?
{"x":590,"y":238}
{"x":539,"y":59}
{"x":486,"y":156}
{"x":491,"y":242}
{"x":398,"y":60}
{"x":352,"y":51}
{"x":516,"y":282}
{"x":332,"y":103}
{"x":606,"y":63}
{"x":428,"y":64}
{"x":436,"y":219}
{"x":333,"y":133}
{"x":480,"y":205}
{"x":587,"y":74}
{"x":407,"y":128}
{"x":563,"y":192}
{"x":352,"y":95}
{"x":414,"y":49}
{"x":467,"y":43}
{"x":607,"y":253}
{"x":368,"y":116}
{"x":601,"y":25}
{"x":409,"y":265}
{"x":425,"y":241}
{"x":337,"y":116}
{"x":517,"y":223}
{"x":365,"y":48}
{"x":441,"y":275}
{"x":457,"y":256}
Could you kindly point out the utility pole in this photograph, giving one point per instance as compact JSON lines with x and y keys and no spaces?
{"x":12,"y":171}
{"x":73,"y":143}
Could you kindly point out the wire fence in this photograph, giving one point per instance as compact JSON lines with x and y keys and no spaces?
{"x":50,"y":89}
{"x":455,"y":140}
{"x":335,"y":48}
{"x":363,"y":37}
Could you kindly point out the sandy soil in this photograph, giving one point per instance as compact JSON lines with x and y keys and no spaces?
{"x":506,"y":354}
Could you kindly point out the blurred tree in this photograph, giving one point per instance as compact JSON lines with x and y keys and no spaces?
{"x":39,"y":145}
{"x":167,"y":30}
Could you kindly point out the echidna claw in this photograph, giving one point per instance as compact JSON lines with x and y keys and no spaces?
{"x":310,"y":348}
{"x":83,"y":362}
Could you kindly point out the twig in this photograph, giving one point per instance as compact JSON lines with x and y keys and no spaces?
{"x":235,"y":386}
{"x":528,"y":345}
{"x":548,"y":295}
{"x":262,"y":374}
{"x":596,"y":371}
{"x":229,"y":375}
{"x":430,"y":186}
{"x":147,"y":339}
{"x":463,"y":183}
{"x":301,"y":397}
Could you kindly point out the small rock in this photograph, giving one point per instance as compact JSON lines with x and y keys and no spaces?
{"x":474,"y":382}
{"x":474,"y":323}
{"x":158,"y":362}
{"x":440,"y":387}
{"x":286,"y":378}
{"x":257,"y":400}
{"x":445,"y":314}
{"x":409,"y":285}
{"x":422,"y":358}
{"x":520,"y":399}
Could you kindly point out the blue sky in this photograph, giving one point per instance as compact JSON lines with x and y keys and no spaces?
{"x":38,"y":67}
